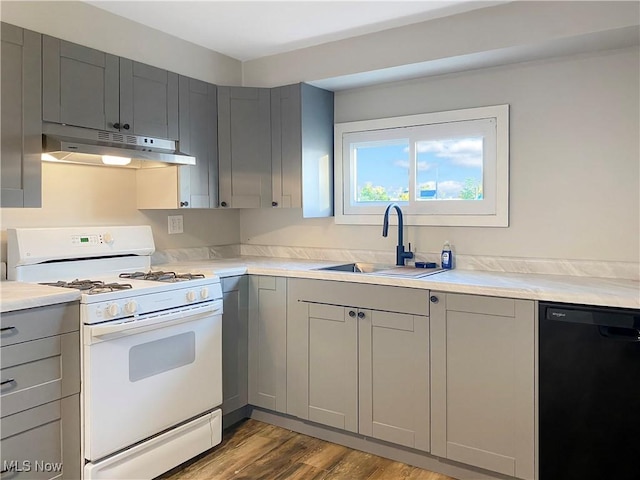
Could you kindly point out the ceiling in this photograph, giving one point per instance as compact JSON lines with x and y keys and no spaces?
{"x":247,"y":30}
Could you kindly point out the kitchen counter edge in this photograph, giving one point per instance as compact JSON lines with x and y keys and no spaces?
{"x":555,"y":288}
{"x":20,"y":296}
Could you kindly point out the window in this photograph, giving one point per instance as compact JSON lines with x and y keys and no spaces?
{"x":446,"y":168}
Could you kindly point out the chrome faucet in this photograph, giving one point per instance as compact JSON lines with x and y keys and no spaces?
{"x":401,"y":255}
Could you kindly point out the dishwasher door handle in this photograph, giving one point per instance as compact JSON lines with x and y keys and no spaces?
{"x":619,"y":333}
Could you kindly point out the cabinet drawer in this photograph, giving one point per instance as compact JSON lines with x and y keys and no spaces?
{"x":372,"y":297}
{"x":502,"y":307}
{"x":31,"y":444}
{"x":24,"y":325}
{"x":39,"y":371}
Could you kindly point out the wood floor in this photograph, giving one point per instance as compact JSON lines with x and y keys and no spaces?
{"x":253,"y":450}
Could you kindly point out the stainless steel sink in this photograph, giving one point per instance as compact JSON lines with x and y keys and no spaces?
{"x":407,"y":271}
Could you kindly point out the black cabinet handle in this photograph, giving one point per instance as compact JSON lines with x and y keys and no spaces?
{"x":126,"y":126}
{"x":184,"y":204}
{"x":434,"y":299}
{"x":116,"y":126}
{"x":360,"y":314}
{"x":352,"y":313}
{"x":274,"y":204}
{"x":223,"y":204}
{"x":9,"y":380}
{"x":4,"y":329}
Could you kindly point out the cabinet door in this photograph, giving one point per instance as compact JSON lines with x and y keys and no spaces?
{"x":244,"y":146}
{"x":199,"y":138}
{"x":80,"y":85}
{"x":482,"y":382}
{"x":394,"y":378}
{"x":148,"y":100}
{"x":286,"y":146}
{"x":323,"y":381}
{"x":235,"y":347}
{"x":302,"y":149}
{"x":21,"y":134}
{"x":267,"y":342}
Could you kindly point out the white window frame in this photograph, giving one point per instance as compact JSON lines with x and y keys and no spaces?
{"x":492,"y":211}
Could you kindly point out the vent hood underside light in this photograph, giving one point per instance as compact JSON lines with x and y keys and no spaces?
{"x":65,"y":144}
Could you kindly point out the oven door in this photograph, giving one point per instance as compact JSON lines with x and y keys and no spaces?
{"x":145,"y":376}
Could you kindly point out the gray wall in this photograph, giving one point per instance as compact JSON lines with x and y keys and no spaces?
{"x":574,"y":161}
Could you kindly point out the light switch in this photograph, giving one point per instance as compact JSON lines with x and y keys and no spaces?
{"x":175,"y":224}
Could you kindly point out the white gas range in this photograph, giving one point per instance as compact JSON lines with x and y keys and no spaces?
{"x":151,"y":346}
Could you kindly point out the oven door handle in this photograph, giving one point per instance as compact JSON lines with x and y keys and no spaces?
{"x":154,"y":321}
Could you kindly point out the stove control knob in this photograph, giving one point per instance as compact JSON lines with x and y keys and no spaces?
{"x":131,"y":307}
{"x":204,"y":293}
{"x":191,"y":296}
{"x":113,"y":309}
{"x":107,"y":238}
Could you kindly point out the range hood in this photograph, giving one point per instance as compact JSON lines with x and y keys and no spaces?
{"x":67,"y":144}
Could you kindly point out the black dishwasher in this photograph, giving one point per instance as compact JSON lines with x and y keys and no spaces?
{"x":589,"y":393}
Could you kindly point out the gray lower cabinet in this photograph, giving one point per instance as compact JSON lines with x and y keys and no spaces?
{"x":302,"y":149}
{"x":268,"y":342}
{"x":187,"y":186}
{"x":21,"y":134}
{"x":482,"y":382}
{"x":88,"y":88}
{"x":40,"y":419}
{"x":235,"y":347}
{"x":393,"y":350}
{"x":244,"y":147}
{"x":362,"y":368}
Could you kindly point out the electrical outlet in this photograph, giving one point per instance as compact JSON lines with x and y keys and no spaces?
{"x":176,"y":224}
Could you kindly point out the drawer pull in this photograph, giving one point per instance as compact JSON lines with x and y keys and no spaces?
{"x":4,"y":329}
{"x":9,"y":380}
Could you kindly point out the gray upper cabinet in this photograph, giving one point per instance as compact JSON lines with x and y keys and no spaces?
{"x":148,"y":100}
{"x":189,"y":186}
{"x":302,"y":149}
{"x":21,"y":134}
{"x":483,"y":382}
{"x":244,"y":147}
{"x":80,"y":85}
{"x":88,"y":88}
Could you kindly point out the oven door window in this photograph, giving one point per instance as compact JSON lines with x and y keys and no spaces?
{"x":152,"y":358}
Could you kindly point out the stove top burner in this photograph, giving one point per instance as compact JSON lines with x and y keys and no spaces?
{"x":160,"y":276}
{"x":90,"y":287}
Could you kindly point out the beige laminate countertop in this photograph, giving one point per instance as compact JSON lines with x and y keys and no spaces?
{"x":19,"y":295}
{"x":557,"y":288}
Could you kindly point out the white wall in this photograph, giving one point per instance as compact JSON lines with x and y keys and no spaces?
{"x":574,"y":160}
{"x":484,"y":35}
{"x":75,"y":195}
{"x":87,"y":25}
{"x":574,"y":134}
